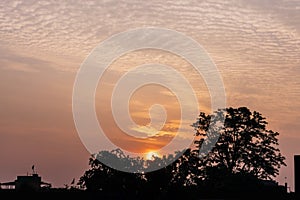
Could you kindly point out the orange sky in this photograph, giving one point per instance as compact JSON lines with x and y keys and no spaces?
{"x":255,"y":45}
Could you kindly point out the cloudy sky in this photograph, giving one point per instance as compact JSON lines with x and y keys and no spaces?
{"x":255,"y":45}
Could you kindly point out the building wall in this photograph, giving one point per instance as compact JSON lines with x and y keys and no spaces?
{"x":28,"y":183}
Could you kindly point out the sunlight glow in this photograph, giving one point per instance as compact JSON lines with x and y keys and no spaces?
{"x":151,"y":154}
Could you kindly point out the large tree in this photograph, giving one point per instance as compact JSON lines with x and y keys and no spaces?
{"x":236,"y":151}
{"x":240,"y":142}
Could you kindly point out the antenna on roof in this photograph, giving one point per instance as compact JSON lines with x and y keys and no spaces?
{"x":33,"y":172}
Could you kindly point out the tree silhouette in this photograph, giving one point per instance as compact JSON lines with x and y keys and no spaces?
{"x":244,"y":144}
{"x":153,"y":184}
{"x":111,"y":181}
{"x":236,"y":154}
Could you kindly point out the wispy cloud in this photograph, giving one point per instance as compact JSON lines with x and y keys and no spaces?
{"x":258,"y":31}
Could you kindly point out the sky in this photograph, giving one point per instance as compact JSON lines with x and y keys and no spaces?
{"x":254,"y":44}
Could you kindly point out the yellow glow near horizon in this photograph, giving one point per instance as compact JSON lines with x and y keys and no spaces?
{"x":151,"y":154}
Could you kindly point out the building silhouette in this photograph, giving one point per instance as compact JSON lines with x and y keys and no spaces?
{"x":297,"y":173}
{"x":26,"y":183}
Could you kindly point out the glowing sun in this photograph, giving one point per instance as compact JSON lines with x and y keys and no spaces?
{"x":151,"y":154}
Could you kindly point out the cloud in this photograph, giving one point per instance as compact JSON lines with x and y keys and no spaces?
{"x":148,"y":131}
{"x":14,"y":61}
{"x":254,"y":42}
{"x":238,"y":30}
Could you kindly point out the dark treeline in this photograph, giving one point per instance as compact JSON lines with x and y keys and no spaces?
{"x":243,"y":162}
{"x":235,"y":159}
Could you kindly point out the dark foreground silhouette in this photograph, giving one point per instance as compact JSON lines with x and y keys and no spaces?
{"x":242,"y":164}
{"x":243,"y":191}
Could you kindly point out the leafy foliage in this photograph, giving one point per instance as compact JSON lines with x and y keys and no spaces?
{"x":244,"y":143}
{"x":235,"y":153}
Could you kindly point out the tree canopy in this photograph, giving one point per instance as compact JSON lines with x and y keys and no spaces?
{"x":239,"y":155}
{"x":244,"y":144}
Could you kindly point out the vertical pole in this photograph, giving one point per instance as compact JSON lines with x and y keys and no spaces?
{"x":297,"y":173}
